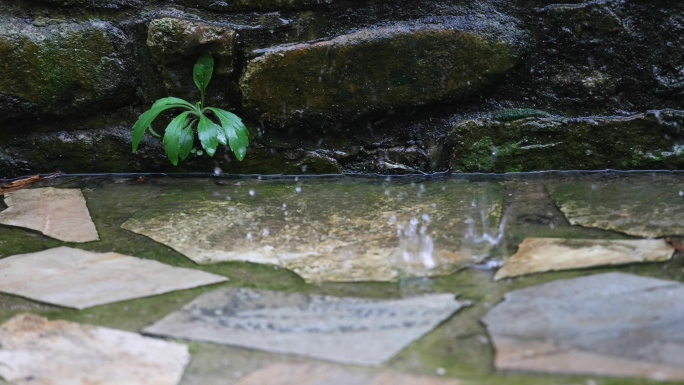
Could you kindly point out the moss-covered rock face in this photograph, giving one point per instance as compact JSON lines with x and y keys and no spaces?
{"x":63,"y":68}
{"x":643,"y":141}
{"x":373,"y":70}
{"x":176,"y":44}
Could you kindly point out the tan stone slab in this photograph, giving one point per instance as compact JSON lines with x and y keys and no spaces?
{"x":328,"y":235}
{"x":80,"y":279}
{"x":536,"y":255}
{"x":640,"y":205}
{"x":58,"y":213}
{"x":34,"y":350}
{"x":322,"y":374}
{"x":610,"y":324}
{"x":340,"y":329}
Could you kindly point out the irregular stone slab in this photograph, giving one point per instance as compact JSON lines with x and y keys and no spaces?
{"x":34,"y":350}
{"x":608,"y":324}
{"x":532,"y":140}
{"x":175,"y":44}
{"x":58,"y":213}
{"x":63,"y":68}
{"x":536,"y":255}
{"x":328,"y":234}
{"x":347,"y":330}
{"x":81,"y":279}
{"x":400,"y":66}
{"x":636,"y":206}
{"x":320,"y":374}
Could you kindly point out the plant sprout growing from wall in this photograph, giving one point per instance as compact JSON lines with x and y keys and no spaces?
{"x":179,"y":136}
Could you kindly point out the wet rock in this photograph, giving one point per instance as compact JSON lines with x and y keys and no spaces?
{"x":95,"y":4}
{"x":347,"y":330}
{"x":634,"y":206}
{"x":63,"y":68}
{"x":58,"y":213}
{"x":608,"y":324}
{"x":175,"y":44}
{"x":80,"y":279}
{"x":325,"y":232}
{"x":399,"y":66}
{"x":642,"y":141}
{"x":34,"y":350}
{"x":536,"y":255}
{"x":304,"y":374}
{"x":256,"y":5}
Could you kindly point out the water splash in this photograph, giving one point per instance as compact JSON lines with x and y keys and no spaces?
{"x":486,"y":243}
{"x":415,"y":252}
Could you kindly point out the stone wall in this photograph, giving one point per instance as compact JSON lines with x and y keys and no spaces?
{"x":328,"y":86}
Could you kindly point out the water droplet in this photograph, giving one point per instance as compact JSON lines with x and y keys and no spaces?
{"x":441,"y":371}
{"x":296,"y":179}
{"x":426,"y":218}
{"x":304,"y":167}
{"x":228,"y":198}
{"x":265,"y":233}
{"x":387,"y":192}
{"x":249,"y":236}
{"x":681,"y":193}
{"x":251,"y":192}
{"x":298,"y":189}
{"x":217,"y":171}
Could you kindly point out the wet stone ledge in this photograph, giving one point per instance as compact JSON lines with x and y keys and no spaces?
{"x":63,"y":68}
{"x":374,"y":70}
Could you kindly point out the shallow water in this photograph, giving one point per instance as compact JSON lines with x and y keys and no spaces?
{"x":295,"y":214}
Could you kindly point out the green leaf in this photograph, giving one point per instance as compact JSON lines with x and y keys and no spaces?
{"x":187,"y":140}
{"x":208,"y":134}
{"x":172,"y":137}
{"x":234,"y":130}
{"x":203,"y":70}
{"x":176,"y":102}
{"x":145,"y":120}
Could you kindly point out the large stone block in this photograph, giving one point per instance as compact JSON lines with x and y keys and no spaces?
{"x":63,"y":68}
{"x":530,"y":140}
{"x":175,"y":44}
{"x":379,"y":69}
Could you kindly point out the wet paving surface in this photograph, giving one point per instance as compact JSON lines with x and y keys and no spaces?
{"x":367,"y":239}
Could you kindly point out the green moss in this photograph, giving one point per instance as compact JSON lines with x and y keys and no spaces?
{"x":518,"y":113}
{"x":372,"y":70}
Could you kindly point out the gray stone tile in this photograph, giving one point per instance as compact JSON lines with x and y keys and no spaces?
{"x":608,"y":324}
{"x":347,"y":330}
{"x":34,"y":350}
{"x":80,"y":279}
{"x":536,"y":255}
{"x":58,"y":213}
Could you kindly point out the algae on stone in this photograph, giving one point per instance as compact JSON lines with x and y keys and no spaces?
{"x":636,"y":208}
{"x":329,"y":233}
{"x":176,"y":43}
{"x":372,"y":70}
{"x":641,"y":141}
{"x":63,"y":68}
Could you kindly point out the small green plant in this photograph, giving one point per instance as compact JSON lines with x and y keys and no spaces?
{"x":179,"y":136}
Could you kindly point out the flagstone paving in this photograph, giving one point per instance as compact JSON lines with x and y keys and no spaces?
{"x":401,"y":231}
{"x":34,"y":350}
{"x":536,"y":255}
{"x":322,"y":374}
{"x":80,"y":279}
{"x":58,"y":213}
{"x":640,"y":209}
{"x":609,"y":324}
{"x":340,"y":329}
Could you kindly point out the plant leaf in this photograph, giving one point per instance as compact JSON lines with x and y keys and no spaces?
{"x":234,"y":130}
{"x":145,"y":120}
{"x":187,"y":140}
{"x":203,"y":70}
{"x":208,"y":134}
{"x":178,"y":102}
{"x":172,"y":137}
